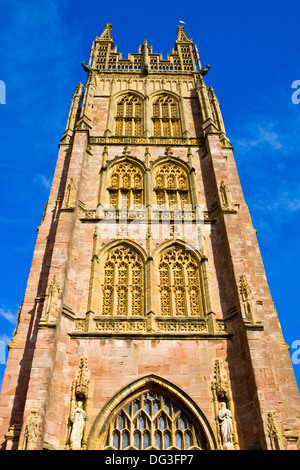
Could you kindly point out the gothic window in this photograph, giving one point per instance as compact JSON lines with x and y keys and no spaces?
{"x":123,"y":286}
{"x":165,"y":117}
{"x":129,"y":116}
{"x":171,"y":186}
{"x":179,"y":284}
{"x":126,"y":186}
{"x":152,"y":421}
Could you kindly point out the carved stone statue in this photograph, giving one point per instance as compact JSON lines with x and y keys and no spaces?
{"x":225,"y":418}
{"x":31,"y":431}
{"x":78,"y":419}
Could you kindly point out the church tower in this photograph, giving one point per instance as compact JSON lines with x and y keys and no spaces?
{"x":147,"y":321}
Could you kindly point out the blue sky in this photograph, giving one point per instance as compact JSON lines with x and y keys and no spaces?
{"x":253,"y":49}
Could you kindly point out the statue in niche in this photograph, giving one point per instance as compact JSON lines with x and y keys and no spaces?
{"x":31,"y":431}
{"x":70,"y":195}
{"x":226,"y":428}
{"x":78,"y":419}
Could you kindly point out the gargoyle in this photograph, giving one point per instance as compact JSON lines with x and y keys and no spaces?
{"x":204,"y":70}
{"x":87,"y":68}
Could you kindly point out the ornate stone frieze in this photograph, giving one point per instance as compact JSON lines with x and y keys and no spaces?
{"x":100,"y":140}
{"x":159,"y":326}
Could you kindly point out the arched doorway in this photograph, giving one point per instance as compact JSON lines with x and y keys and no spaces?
{"x":151,"y":414}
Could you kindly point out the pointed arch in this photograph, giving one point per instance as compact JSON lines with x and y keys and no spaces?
{"x":142,"y":413}
{"x":125,"y":183}
{"x":123,"y":281}
{"x":181,"y":280}
{"x":128,"y":114}
{"x":166,"y":115}
{"x":171,"y":184}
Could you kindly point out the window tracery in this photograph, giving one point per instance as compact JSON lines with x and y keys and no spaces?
{"x":171,"y":186}
{"x":129,"y":116}
{"x":123,"y":286}
{"x":152,"y":421}
{"x":165,"y":117}
{"x":179,"y":284}
{"x":126,"y":186}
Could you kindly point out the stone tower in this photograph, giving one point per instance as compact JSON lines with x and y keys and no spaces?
{"x":147,"y":320}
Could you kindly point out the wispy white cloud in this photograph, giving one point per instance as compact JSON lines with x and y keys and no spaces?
{"x":8,"y":315}
{"x":42,"y":181}
{"x":266,"y":147}
{"x":260,"y":137}
{"x":6,"y":339}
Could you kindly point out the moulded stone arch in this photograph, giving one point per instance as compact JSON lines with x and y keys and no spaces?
{"x":199,"y":256}
{"x":106,"y":175}
{"x":129,"y":158}
{"x":130,"y":243}
{"x":197,"y":301}
{"x":152,"y":383}
{"x":184,"y":166}
{"x":115,"y":99}
{"x":169,"y":124}
{"x":156,"y":93}
{"x":120,"y":93}
{"x":102,"y":291}
{"x":160,"y":160}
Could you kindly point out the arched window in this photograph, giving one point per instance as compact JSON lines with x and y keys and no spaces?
{"x":165,"y":117}
{"x":153,"y":421}
{"x":129,"y":116}
{"x":179,"y":283}
{"x":125,"y":186}
{"x":171,"y":186}
{"x":123,"y":286}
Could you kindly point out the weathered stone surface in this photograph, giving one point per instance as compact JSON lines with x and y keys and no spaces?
{"x":230,"y":350}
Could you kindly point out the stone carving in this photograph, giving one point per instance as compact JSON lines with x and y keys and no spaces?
{"x":120,"y":326}
{"x":223,"y":406}
{"x":129,"y":116}
{"x":78,"y":419}
{"x":31,"y":431}
{"x":246,"y":298}
{"x":274,"y":430}
{"x":123,"y":278}
{"x":126,"y":186}
{"x":204,"y":70}
{"x":224,"y":194}
{"x":78,"y":408}
{"x":179,"y":327}
{"x":165,"y":118}
{"x":50,"y":317}
{"x":171,"y":186}
{"x":179,"y":284}
{"x":226,"y":428}
{"x":87,"y":68}
{"x":70,"y":194}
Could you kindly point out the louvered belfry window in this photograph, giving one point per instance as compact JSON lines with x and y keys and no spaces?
{"x":165,"y":117}
{"x":129,"y":116}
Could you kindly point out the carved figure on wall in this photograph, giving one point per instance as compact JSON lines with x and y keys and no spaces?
{"x":54,"y":290}
{"x":70,"y":195}
{"x":78,"y":419}
{"x":226,"y":428}
{"x":31,"y":431}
